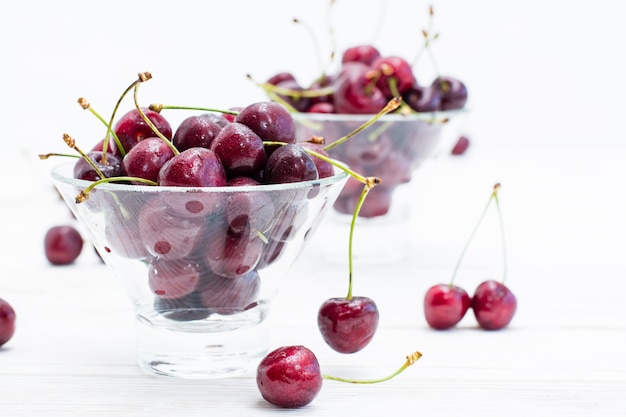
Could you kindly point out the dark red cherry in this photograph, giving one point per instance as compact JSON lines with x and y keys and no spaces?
{"x":227,"y":296}
{"x":62,"y":244}
{"x":194,"y":167}
{"x":84,"y":171}
{"x":198,"y":131}
{"x":290,"y":163}
{"x":289,"y":377}
{"x":348,"y":326}
{"x":423,"y":99}
{"x":453,"y":92}
{"x":240,"y":150}
{"x":270,"y":120}
{"x":146,"y":159}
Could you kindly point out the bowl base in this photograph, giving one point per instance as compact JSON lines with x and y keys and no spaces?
{"x":200,"y":355}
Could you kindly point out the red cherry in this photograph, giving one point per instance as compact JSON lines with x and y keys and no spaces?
{"x":62,"y":245}
{"x":7,"y":322}
{"x":348,"y":326}
{"x":460,"y":146}
{"x":494,"y":305}
{"x":445,"y":305}
{"x":289,"y":377}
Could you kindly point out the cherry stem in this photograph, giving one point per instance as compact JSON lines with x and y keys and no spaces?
{"x":410,"y":360}
{"x":105,"y":144}
{"x":69,"y":141}
{"x":84,"y":103}
{"x":147,"y":119}
{"x":493,"y":196}
{"x":366,"y":189}
{"x":44,"y":156}
{"x":504,"y":251}
{"x":84,"y":194}
{"x":391,"y":105}
{"x":158,"y":107}
{"x":296,"y":94}
{"x":316,"y":45}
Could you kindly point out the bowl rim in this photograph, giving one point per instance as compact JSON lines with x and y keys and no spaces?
{"x":62,"y":173}
{"x":391,"y":117}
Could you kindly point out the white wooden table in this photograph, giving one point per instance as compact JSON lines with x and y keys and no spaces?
{"x":562,"y":355}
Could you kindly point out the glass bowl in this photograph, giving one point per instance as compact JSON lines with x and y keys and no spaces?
{"x":392,"y":149}
{"x":201,"y":266}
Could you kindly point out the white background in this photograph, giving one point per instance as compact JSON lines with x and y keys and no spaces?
{"x":539,"y":72}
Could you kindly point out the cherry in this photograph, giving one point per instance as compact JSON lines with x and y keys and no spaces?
{"x":356,"y":91}
{"x":131,"y":128}
{"x":270,"y":120}
{"x":324,"y":168}
{"x":460,"y":146}
{"x":445,"y":305}
{"x":348,"y":324}
{"x":222,"y":295}
{"x":146,"y":159}
{"x":240,"y":150}
{"x":423,"y":98}
{"x":194,"y":167}
{"x":198,"y":131}
{"x":173,"y":279}
{"x":494,"y":305}
{"x":167,"y":234}
{"x":290,"y":163}
{"x":453,"y":92}
{"x":62,"y":244}
{"x":366,"y":54}
{"x":7,"y":322}
{"x":233,"y":254}
{"x":85,"y":171}
{"x":396,"y":75}
{"x":291,"y":377}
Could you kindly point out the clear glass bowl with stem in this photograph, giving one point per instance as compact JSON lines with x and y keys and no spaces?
{"x":201,"y":266}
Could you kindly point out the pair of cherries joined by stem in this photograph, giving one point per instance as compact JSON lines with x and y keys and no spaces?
{"x":493,"y":303}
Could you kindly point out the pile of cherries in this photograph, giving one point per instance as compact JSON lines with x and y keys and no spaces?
{"x":364,"y":83}
{"x":198,"y":267}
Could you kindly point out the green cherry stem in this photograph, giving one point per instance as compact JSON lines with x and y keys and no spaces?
{"x":44,"y":156}
{"x":410,"y":360}
{"x":158,"y":107}
{"x":504,"y":251}
{"x":366,"y":189}
{"x":69,"y":141}
{"x":391,"y":105}
{"x":84,"y":103}
{"x":84,"y":194}
{"x":493,"y":196}
{"x":105,"y":145}
{"x":147,"y":119}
